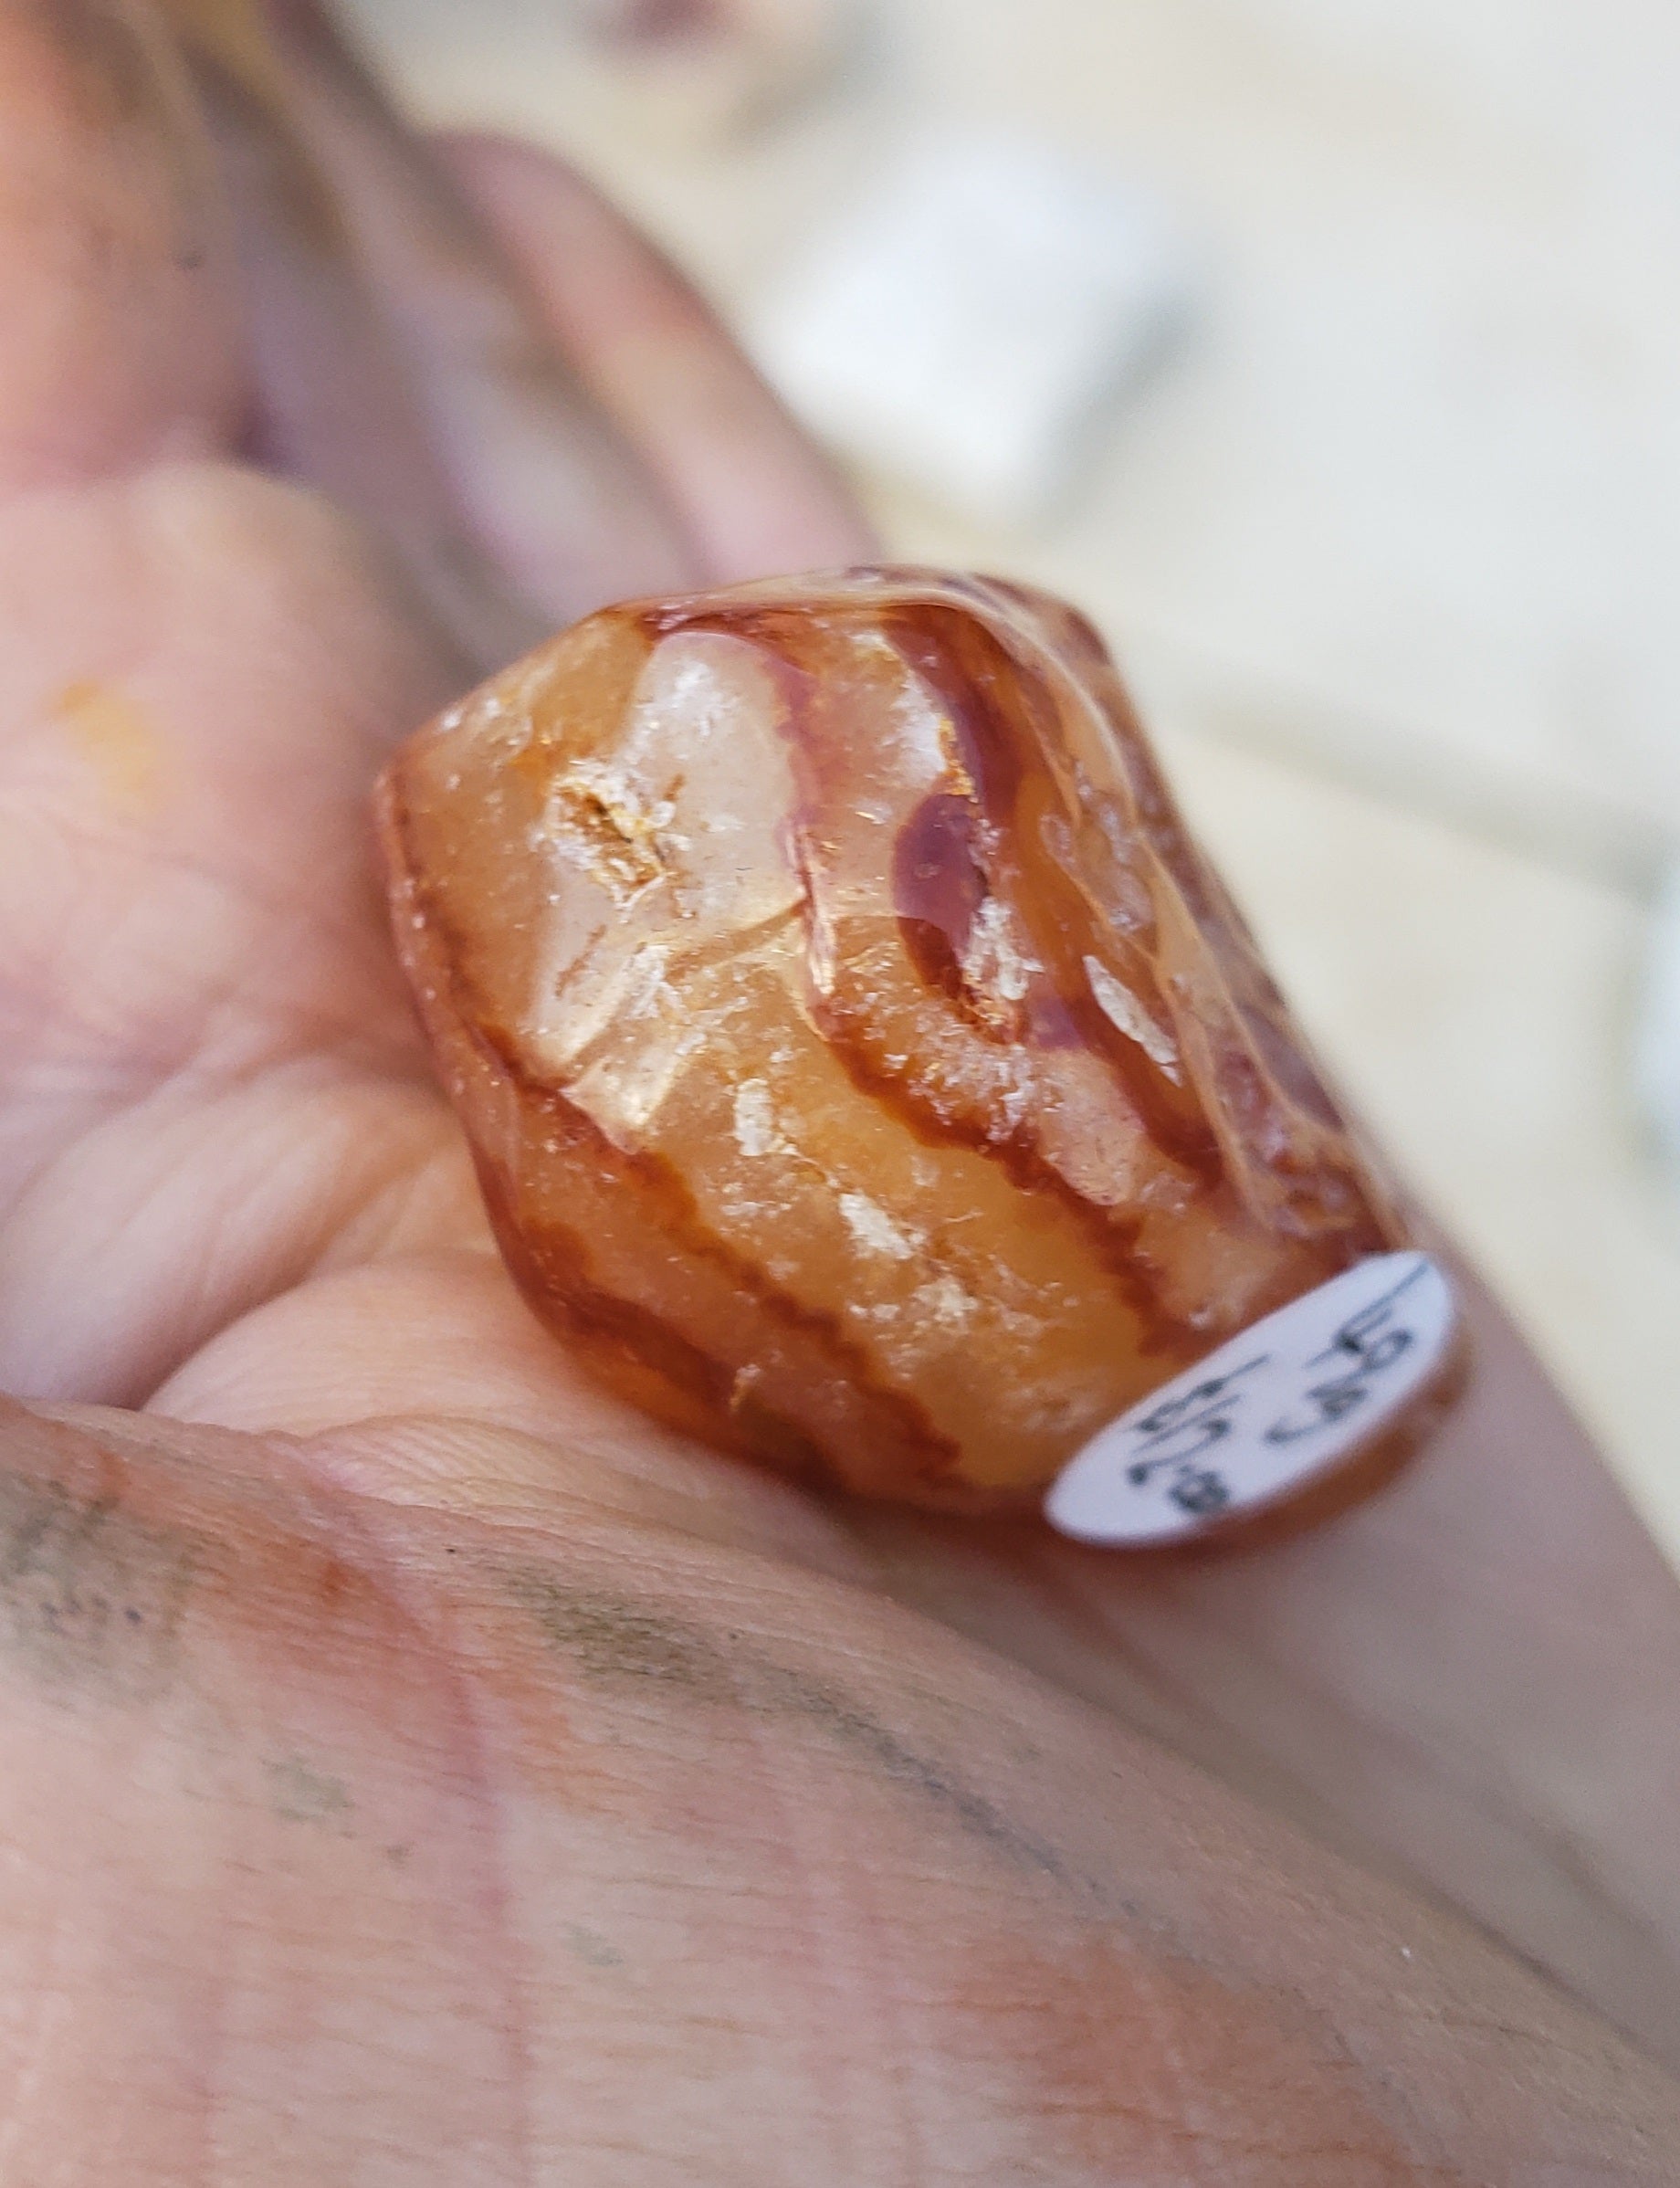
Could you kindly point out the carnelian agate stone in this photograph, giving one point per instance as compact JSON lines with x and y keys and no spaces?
{"x":865,"y":1070}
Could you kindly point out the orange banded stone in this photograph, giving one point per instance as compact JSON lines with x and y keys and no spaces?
{"x":865,"y":1070}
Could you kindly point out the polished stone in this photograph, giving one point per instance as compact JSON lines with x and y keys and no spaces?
{"x":865,"y":1069}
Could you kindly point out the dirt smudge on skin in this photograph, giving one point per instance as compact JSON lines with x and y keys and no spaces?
{"x":300,"y":1793}
{"x":91,"y":1598}
{"x":590,"y":1947}
{"x":1114,"y":2043}
{"x":613,"y":1640}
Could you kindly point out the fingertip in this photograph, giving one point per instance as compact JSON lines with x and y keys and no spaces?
{"x":120,"y":338}
{"x":397,"y":361}
{"x":755,"y":493}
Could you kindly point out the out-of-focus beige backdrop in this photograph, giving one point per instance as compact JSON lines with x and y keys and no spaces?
{"x":1390,"y":547}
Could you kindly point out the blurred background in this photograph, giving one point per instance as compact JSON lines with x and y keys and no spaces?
{"x":1328,"y":352}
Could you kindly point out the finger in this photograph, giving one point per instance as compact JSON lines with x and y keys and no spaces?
{"x":118,"y":337}
{"x":350,"y":1839}
{"x":208,"y":1070}
{"x":534,"y":469}
{"x":756,"y":495}
{"x":332,"y":405}
{"x":1469,"y":1677}
{"x":349,"y":1357}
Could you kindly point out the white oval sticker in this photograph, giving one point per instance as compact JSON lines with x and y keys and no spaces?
{"x":1274,"y":1406}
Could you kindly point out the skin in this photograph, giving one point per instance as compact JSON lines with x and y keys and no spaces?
{"x":419,"y":1769}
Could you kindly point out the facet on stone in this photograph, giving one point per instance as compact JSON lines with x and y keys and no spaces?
{"x":865,"y":1070}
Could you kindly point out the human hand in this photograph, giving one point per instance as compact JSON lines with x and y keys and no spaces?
{"x":418,"y":1768}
